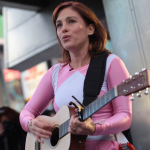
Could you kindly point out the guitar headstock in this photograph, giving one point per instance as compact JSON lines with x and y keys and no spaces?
{"x":135,"y":83}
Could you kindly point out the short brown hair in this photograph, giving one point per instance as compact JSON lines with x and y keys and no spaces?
{"x":97,"y":41}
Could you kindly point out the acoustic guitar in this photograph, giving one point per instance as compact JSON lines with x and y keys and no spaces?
{"x":62,"y":140}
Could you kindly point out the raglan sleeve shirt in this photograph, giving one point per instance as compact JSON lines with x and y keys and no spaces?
{"x":121,"y":118}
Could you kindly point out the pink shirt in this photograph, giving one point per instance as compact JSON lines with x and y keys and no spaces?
{"x":61,"y":85}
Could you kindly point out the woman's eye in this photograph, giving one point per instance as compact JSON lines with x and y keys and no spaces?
{"x":71,"y":21}
{"x":58,"y":25}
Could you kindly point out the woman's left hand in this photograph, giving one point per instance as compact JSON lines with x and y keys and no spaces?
{"x":81,"y":128}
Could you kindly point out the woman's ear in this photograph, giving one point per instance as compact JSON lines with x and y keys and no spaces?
{"x":91,"y":29}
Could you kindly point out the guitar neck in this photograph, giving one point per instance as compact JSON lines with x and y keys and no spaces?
{"x":99,"y":103}
{"x":91,"y":109}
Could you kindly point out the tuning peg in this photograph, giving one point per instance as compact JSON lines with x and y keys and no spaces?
{"x":143,"y":69}
{"x":139,"y":94}
{"x":131,"y":77}
{"x":137,"y":73}
{"x":132,"y":98}
{"x":124,"y":81}
{"x":140,"y":85}
{"x":146,"y":91}
{"x":132,"y":87}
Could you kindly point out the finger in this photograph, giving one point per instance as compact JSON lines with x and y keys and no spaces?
{"x":71,"y":125}
{"x":39,"y":140}
{"x":41,"y":132}
{"x":76,"y":122}
{"x":42,"y":125}
{"x":38,"y":126}
{"x":42,"y":136}
{"x":71,"y":121}
{"x":72,"y":118}
{"x":72,"y":130}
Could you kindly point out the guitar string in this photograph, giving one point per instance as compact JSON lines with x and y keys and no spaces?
{"x":99,"y":101}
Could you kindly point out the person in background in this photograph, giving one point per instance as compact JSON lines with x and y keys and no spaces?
{"x":81,"y":37}
{"x":12,"y":137}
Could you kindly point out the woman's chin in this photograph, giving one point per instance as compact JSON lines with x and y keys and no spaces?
{"x":69,"y":48}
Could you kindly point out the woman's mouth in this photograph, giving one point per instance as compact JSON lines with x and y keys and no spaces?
{"x":66,"y":37}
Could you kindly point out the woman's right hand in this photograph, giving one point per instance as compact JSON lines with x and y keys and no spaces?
{"x":40,"y":128}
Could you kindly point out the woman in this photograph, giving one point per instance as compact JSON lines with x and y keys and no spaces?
{"x":81,"y":36}
{"x":12,"y":137}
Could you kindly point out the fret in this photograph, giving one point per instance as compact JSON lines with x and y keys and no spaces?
{"x":92,"y":107}
{"x":102,"y":99}
{"x":105,"y":99}
{"x":66,"y":127}
{"x":63,"y":128}
{"x":86,"y":113}
{"x":99,"y":103}
{"x":60,"y":130}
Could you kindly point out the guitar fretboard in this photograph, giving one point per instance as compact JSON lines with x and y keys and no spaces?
{"x":63,"y":128}
{"x":90,"y":110}
{"x":98,"y":104}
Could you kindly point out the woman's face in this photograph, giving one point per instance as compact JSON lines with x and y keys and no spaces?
{"x":71,"y":29}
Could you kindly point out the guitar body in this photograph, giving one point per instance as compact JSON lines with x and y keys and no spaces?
{"x":68,"y":142}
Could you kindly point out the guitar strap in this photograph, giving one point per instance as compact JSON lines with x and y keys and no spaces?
{"x":93,"y":83}
{"x":94,"y":77}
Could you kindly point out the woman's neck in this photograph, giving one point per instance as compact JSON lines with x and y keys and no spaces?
{"x":79,"y":60}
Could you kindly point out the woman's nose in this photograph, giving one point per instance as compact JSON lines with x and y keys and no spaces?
{"x":64,"y":28}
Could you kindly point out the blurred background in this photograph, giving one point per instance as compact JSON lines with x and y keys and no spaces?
{"x":29,"y":47}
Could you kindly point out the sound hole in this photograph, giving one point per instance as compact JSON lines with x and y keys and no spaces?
{"x":55,"y":136}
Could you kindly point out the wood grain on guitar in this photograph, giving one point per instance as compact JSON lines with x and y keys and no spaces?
{"x":62,"y":140}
